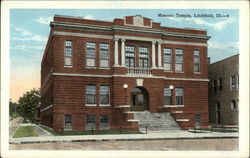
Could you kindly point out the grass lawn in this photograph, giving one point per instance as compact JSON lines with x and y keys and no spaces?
{"x":89,"y":132}
{"x":25,"y":131}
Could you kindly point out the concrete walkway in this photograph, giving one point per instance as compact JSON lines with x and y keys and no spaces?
{"x":123,"y":137}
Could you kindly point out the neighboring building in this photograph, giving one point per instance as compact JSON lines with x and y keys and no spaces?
{"x":97,"y":74}
{"x":224,"y":91}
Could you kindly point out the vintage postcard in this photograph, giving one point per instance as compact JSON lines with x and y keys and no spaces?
{"x":125,"y":79}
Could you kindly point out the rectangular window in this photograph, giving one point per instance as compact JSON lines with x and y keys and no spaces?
{"x":130,"y":56}
{"x":104,"y":122}
{"x":197,"y":120}
{"x":104,"y":55}
{"x":234,"y":82}
{"x":167,"y":96}
{"x":90,"y":54}
{"x":220,"y":84}
{"x":143,"y":55}
{"x":167,"y":59}
{"x":196,"y":61}
{"x":91,"y":94}
{"x":179,"y":96}
{"x":68,"y":53}
{"x":68,"y":122}
{"x":178,"y":60}
{"x":104,"y":95}
{"x":215,"y":85}
{"x":90,"y":122}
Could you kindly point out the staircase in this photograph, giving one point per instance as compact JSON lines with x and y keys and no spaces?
{"x":155,"y":121}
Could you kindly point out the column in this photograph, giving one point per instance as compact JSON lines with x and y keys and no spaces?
{"x":159,"y":56}
{"x":116,"y":52}
{"x":153,"y":55}
{"x":123,"y":52}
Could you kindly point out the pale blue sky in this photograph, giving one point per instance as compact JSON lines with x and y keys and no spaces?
{"x":30,"y":28}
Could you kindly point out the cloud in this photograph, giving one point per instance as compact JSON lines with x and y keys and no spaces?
{"x":27,"y":35}
{"x":44,"y":20}
{"x":89,"y":17}
{"x":218,"y":26}
{"x":226,"y":46}
{"x":28,"y":48}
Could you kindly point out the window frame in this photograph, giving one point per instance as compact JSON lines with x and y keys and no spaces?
{"x":67,"y":122}
{"x":236,"y":82}
{"x":181,"y":55}
{"x":144,"y":59}
{"x":235,"y":105}
{"x":130,"y":58}
{"x":86,"y":96}
{"x":101,"y":94}
{"x":100,"y":118}
{"x":165,"y":55}
{"x":199,"y":61}
{"x":86,"y":122}
{"x":71,"y":52}
{"x":170,"y":97}
{"x":108,"y":56}
{"x":179,"y":96}
{"x":86,"y":55}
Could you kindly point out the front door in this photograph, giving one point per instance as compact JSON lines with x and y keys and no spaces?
{"x":138,"y":100}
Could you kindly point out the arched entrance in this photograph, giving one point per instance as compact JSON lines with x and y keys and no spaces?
{"x":139,"y":99}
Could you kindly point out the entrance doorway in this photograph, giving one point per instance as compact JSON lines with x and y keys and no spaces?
{"x":139,"y":99}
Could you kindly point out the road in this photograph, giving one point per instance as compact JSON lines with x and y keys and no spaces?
{"x":168,"y":145}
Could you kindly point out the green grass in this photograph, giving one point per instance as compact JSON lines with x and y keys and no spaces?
{"x":89,"y":132}
{"x":25,"y":131}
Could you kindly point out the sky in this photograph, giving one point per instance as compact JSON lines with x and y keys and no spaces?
{"x":29,"y":30}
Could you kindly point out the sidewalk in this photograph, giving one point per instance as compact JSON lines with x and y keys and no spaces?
{"x":126,"y":137}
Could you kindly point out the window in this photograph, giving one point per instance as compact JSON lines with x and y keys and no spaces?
{"x":215,"y":85}
{"x":130,"y":56}
{"x":234,"y":82}
{"x":104,"y":55}
{"x":90,"y":54}
{"x":68,"y":122}
{"x":143,"y":55}
{"x":234,"y":105}
{"x":220,"y":84}
{"x":196,"y":61}
{"x":90,"y":122}
{"x":179,"y":96}
{"x":167,"y":59}
{"x":178,"y":60}
{"x":90,"y":94}
{"x":68,"y":53}
{"x":197,"y":120}
{"x":104,"y":95}
{"x":104,"y":122}
{"x":167,"y":96}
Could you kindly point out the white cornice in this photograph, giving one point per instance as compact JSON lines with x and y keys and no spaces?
{"x":126,"y":29}
{"x":127,"y":75}
{"x":82,"y":35}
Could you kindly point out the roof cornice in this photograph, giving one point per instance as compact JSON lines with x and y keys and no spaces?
{"x":116,"y":28}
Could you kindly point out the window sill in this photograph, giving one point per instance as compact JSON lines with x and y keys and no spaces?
{"x":88,"y":67}
{"x":90,"y":105}
{"x":198,"y":73}
{"x":68,"y":66}
{"x":170,"y":106}
{"x":181,"y":72}
{"x":105,"y":68}
{"x":104,"y":105}
{"x":168,"y":71}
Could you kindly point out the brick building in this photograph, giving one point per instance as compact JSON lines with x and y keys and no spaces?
{"x":224,"y":91}
{"x":98,"y":74}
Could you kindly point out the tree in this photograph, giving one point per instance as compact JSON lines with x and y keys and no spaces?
{"x":13,"y":108}
{"x":28,"y":104}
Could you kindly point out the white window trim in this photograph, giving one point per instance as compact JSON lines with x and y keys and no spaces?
{"x":68,"y":66}
{"x":100,"y":123}
{"x":100,"y":96}
{"x":86,"y":123}
{"x":100,"y":67}
{"x":104,"y":105}
{"x":171,"y":106}
{"x":86,"y":66}
{"x":90,"y":104}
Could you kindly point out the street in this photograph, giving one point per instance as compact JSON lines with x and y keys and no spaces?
{"x":225,"y":144}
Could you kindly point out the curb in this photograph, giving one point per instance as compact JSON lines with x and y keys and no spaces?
{"x":119,"y":139}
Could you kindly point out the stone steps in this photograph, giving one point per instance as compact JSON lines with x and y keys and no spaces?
{"x":155,"y":121}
